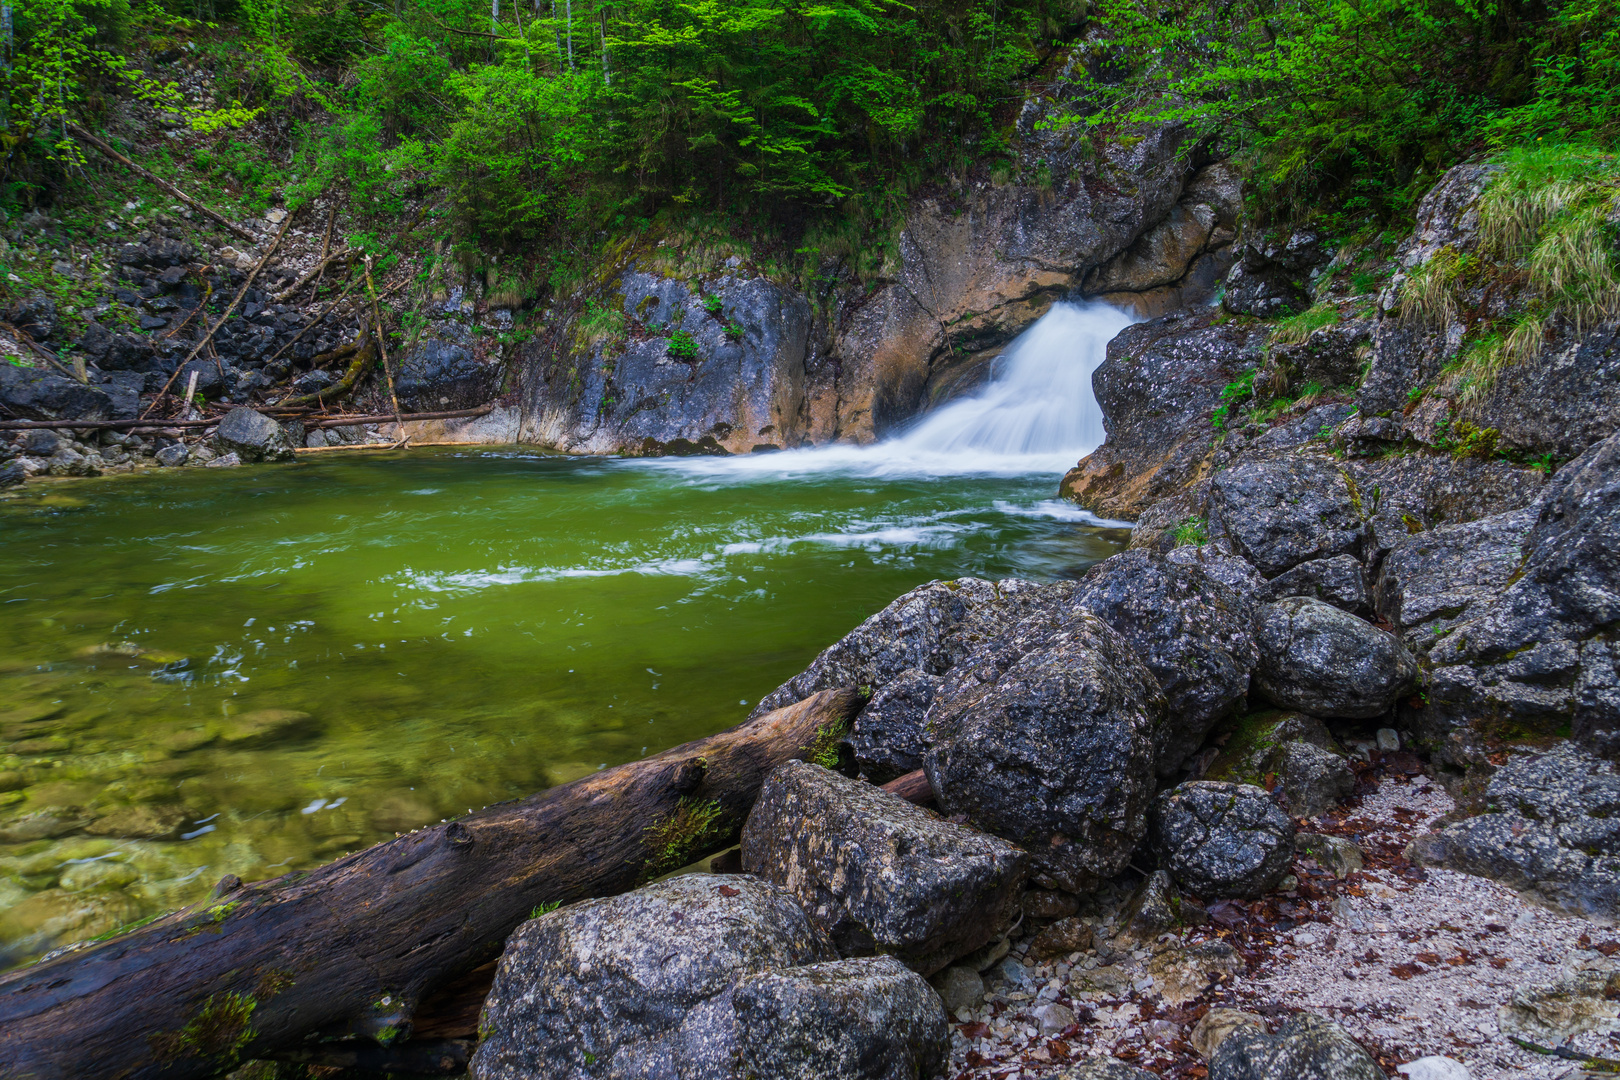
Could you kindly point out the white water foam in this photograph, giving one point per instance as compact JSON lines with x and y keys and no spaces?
{"x":1037,"y":415}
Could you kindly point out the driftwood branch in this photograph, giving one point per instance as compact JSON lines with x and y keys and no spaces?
{"x":237,"y":299}
{"x":356,"y":945}
{"x":313,"y":273}
{"x":363,"y":352}
{"x":207,"y":211}
{"x":325,"y":421}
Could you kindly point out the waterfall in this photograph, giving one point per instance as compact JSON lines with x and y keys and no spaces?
{"x":1039,"y":402}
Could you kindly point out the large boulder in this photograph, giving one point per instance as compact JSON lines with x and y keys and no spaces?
{"x":1304,"y":1047}
{"x":1551,"y":830}
{"x":1326,"y":662}
{"x":1195,"y":634}
{"x":1222,"y":840}
{"x":639,"y":985}
{"x":1284,"y":510}
{"x":1543,"y":650}
{"x":38,"y":393}
{"x":1430,"y":580}
{"x":253,"y":436}
{"x":877,"y":873}
{"x":1050,"y":744}
{"x":441,"y":371}
{"x":1340,"y":581}
{"x":861,"y":1019}
{"x":887,"y":737}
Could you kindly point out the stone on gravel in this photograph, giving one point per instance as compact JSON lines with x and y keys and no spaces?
{"x":1434,"y":1067}
{"x":1181,"y":973}
{"x":12,"y":473}
{"x":1333,"y":853}
{"x":1102,"y":1069}
{"x":252,"y":436}
{"x":1305,"y":1047}
{"x":1195,"y":634}
{"x":887,"y":737}
{"x":1282,"y":511}
{"x":1150,"y":911}
{"x":1222,"y":840}
{"x":1326,"y":662}
{"x":877,"y":873}
{"x":1340,"y":581}
{"x":1056,"y":753}
{"x":1070,"y":935}
{"x":1214,"y":1027}
{"x":1313,"y":780}
{"x":1550,"y":1014}
{"x":1553,"y":832}
{"x":862,"y":1019}
{"x":1052,"y":1018}
{"x":959,"y":987}
{"x":639,"y":985}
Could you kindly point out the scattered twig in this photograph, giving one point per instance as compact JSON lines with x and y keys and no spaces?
{"x":382,"y":346}
{"x":45,"y":354}
{"x":237,"y":299}
{"x":202,"y":305}
{"x":313,"y":274}
{"x":326,"y":249}
{"x":363,"y":354}
{"x":84,"y":136}
{"x":1588,"y":1061}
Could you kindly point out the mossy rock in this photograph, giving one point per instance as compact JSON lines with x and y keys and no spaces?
{"x":1248,"y":754}
{"x":267,"y":727}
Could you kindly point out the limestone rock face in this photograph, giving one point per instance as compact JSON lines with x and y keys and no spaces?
{"x":441,"y":371}
{"x":1052,"y":748}
{"x":1340,"y":581}
{"x":877,"y":873}
{"x":639,"y":985}
{"x":1271,"y":275}
{"x":860,"y":1019}
{"x":1222,"y":840}
{"x":1431,"y":579}
{"x":1305,"y":1047}
{"x":1326,"y":662}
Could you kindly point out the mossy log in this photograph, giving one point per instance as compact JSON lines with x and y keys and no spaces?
{"x":351,"y":948}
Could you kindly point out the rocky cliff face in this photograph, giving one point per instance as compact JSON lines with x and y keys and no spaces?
{"x":728,"y":360}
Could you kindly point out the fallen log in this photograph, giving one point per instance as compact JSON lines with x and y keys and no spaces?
{"x":350,"y":949}
{"x":207,"y":211}
{"x":159,"y":423}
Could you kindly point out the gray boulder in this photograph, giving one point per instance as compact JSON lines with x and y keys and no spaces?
{"x":1280,"y":511}
{"x":1542,"y":650}
{"x":252,"y":436}
{"x":887,"y":737}
{"x":862,"y":1019}
{"x":38,"y":393}
{"x":1222,"y":840}
{"x":1219,"y":563}
{"x":1430,"y":580}
{"x":877,"y":873}
{"x":35,"y":315}
{"x":1340,"y":581}
{"x":11,"y":474}
{"x":639,"y":985}
{"x":1305,"y":1047}
{"x":1052,"y":750}
{"x":1272,"y":275}
{"x":1552,"y":831}
{"x":1326,"y":662}
{"x":441,"y":372}
{"x":1195,"y":634}
{"x":173,"y":455}
{"x":1313,"y":780}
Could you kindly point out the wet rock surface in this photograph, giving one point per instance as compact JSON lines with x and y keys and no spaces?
{"x":1306,"y":1047}
{"x":887,"y":737}
{"x":878,"y":874}
{"x":1326,"y":662}
{"x":1222,"y":840}
{"x":860,"y":1019}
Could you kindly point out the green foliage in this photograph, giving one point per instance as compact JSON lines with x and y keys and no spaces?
{"x":682,"y":347}
{"x":712,"y":304}
{"x":1344,"y":108}
{"x":1191,"y":531}
{"x":1233,"y":394}
{"x":542,"y":909}
{"x":1295,"y":329}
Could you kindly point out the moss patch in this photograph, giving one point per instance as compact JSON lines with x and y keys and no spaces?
{"x":220,"y":1030}
{"x":679,"y":839}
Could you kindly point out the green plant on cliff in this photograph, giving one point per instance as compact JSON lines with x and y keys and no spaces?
{"x":1233,"y":394}
{"x":1297,"y":329}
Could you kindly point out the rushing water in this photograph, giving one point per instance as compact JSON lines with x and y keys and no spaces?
{"x":262,"y":668}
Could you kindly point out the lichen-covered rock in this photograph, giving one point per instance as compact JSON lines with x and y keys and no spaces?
{"x":887,"y":737}
{"x":877,"y":873}
{"x":252,"y":436}
{"x":1550,"y":1014}
{"x":1157,"y":389}
{"x":1149,"y":912}
{"x":1271,"y":275}
{"x":1326,"y":662}
{"x":1195,"y":634}
{"x":639,"y":985}
{"x":1236,"y":573}
{"x":928,"y":630}
{"x":1542,"y":651}
{"x":1431,"y":579}
{"x":1551,"y":830}
{"x":861,"y":1019}
{"x":1222,"y":840}
{"x":1340,"y":581}
{"x":1283,"y":510}
{"x":1054,"y":751}
{"x":1305,"y":1047}
{"x":1102,"y":1069}
{"x":1313,"y":780}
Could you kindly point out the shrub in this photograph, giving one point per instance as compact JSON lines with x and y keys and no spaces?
{"x":682,"y":347}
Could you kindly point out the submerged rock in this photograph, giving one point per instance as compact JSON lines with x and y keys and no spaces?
{"x":1222,"y":840}
{"x":861,"y":1019}
{"x":1054,"y":751}
{"x":877,"y":873}
{"x":639,"y":986}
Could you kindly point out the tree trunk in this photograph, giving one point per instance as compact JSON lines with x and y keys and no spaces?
{"x":353,"y":947}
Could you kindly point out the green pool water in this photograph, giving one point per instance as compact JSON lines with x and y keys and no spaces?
{"x":253,"y":670}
